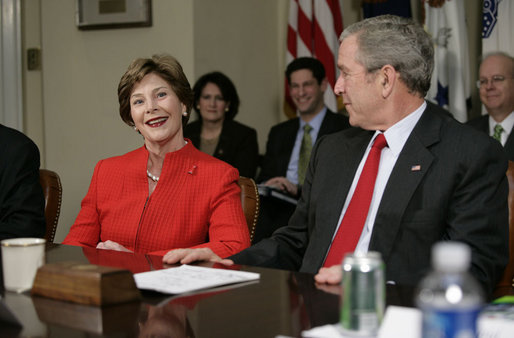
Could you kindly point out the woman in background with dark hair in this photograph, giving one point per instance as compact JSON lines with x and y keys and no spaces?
{"x":215,"y":132}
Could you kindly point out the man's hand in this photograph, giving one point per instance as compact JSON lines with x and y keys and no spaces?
{"x":186,"y":256}
{"x":328,"y":279}
{"x":110,"y":245}
{"x":282,"y":184}
{"x":331,"y":275}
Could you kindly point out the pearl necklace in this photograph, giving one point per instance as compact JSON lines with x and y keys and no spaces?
{"x":152,"y":177}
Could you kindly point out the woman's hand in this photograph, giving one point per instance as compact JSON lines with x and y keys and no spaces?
{"x":186,"y":256}
{"x":110,"y":245}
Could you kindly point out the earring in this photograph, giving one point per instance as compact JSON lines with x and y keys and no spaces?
{"x":184,"y":113}
{"x":226,"y":109}
{"x":135,"y":128}
{"x":198,"y":107}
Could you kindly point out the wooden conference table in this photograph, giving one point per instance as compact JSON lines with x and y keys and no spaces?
{"x":280,"y":303}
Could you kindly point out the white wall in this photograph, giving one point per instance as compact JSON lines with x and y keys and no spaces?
{"x":32,"y":80}
{"x":242,"y":39}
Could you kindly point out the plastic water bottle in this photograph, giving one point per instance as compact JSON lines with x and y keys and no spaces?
{"x":449,"y":297}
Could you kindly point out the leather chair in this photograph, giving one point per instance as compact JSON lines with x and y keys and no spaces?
{"x":506,"y":284}
{"x":250,"y":203}
{"x":52,"y":190}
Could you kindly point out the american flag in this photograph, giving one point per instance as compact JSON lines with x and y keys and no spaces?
{"x":313,"y":30}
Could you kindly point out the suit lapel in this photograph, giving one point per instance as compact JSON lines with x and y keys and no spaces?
{"x":326,"y":125}
{"x":292,"y":130}
{"x":289,"y":138}
{"x":413,"y":163}
{"x":345,"y":169}
{"x":337,"y":179}
{"x":484,"y":124}
{"x":509,"y":145}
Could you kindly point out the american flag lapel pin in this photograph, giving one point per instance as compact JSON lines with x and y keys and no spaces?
{"x":416,"y":167}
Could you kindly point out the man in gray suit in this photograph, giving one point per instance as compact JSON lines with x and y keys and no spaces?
{"x":437,"y":179}
{"x":496,"y":86}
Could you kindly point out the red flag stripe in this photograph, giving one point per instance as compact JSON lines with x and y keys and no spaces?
{"x":291,"y":41}
{"x":335,"y":8}
{"x":292,"y":26}
{"x":325,"y":55}
{"x":305,"y":27}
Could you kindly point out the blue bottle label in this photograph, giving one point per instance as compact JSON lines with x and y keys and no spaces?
{"x":450,"y":323}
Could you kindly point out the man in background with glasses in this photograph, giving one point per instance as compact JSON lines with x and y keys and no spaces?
{"x":496,"y":86}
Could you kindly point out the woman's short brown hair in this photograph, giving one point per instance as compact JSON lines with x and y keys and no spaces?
{"x":167,"y":67}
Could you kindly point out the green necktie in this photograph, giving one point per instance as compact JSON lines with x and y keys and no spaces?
{"x":498,"y":130}
{"x":305,"y":153}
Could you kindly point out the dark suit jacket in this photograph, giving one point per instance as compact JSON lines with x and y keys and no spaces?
{"x":21,"y":196}
{"x":281,"y":140}
{"x":482,"y":123}
{"x":237,"y":145}
{"x":459,"y":194}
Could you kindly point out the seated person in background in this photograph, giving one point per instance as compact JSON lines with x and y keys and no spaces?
{"x":496,"y":87}
{"x":22,"y":204}
{"x":167,"y":194}
{"x":215,"y":132}
{"x":283,"y":166}
{"x":409,"y":177}
{"x":289,"y":145}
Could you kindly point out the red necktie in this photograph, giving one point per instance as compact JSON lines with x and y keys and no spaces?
{"x":351,"y":226}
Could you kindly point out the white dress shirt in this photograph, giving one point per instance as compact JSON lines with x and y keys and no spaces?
{"x":396,"y":136}
{"x":506,"y":124}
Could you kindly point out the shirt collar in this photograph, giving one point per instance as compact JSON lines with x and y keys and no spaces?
{"x":506,"y":124}
{"x":315,"y":123}
{"x":397,"y":134}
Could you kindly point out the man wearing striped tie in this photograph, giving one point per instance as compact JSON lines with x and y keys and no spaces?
{"x":496,"y":86}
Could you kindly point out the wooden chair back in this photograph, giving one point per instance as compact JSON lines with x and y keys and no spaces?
{"x":52,"y":190}
{"x":250,"y":202}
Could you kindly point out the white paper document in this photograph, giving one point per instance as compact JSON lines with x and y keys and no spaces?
{"x":187,"y":278}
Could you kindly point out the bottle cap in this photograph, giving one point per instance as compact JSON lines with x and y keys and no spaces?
{"x":451,"y":256}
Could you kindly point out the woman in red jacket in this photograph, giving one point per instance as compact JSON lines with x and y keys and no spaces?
{"x":167,"y":194}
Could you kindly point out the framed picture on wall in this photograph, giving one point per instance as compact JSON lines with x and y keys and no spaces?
{"x":106,"y":14}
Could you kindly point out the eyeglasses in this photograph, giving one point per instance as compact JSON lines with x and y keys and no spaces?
{"x":496,"y":79}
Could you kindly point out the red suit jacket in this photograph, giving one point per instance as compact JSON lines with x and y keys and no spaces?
{"x":195,"y":204}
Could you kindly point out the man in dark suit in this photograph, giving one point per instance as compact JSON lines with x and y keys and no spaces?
{"x":307,"y":85}
{"x":496,"y":87}
{"x":435,"y":180}
{"x":281,"y":167}
{"x":21,"y":197}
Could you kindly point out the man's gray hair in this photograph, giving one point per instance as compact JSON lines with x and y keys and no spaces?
{"x":396,"y":41}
